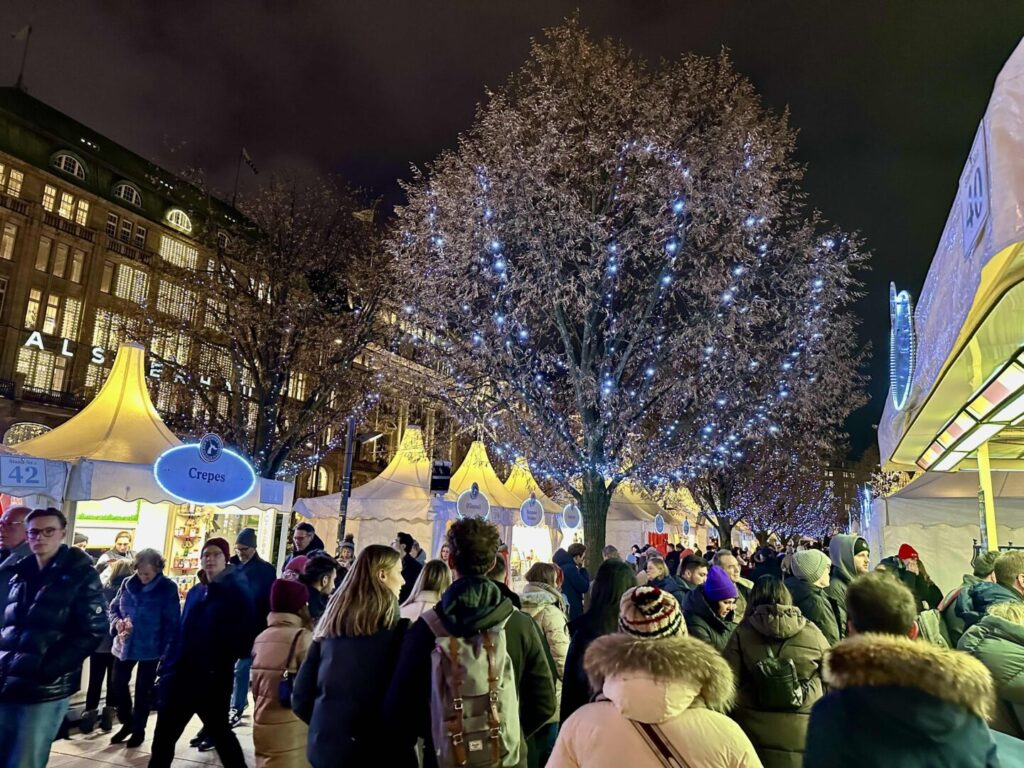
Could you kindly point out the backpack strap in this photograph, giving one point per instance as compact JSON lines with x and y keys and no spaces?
{"x":454,"y":723}
{"x":493,"y":722}
{"x":667,"y":755}
{"x":291,"y":653}
{"x":434,"y":622}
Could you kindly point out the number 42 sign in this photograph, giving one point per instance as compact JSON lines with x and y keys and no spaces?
{"x":19,"y":472}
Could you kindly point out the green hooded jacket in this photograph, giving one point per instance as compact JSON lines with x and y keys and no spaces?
{"x":816,"y":607}
{"x":840,"y":550}
{"x":999,"y":645}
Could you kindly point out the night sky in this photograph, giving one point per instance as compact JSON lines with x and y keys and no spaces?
{"x":886,"y":95}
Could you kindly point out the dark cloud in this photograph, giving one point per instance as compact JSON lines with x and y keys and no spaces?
{"x":886,"y":95}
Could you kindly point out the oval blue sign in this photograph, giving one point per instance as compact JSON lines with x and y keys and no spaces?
{"x":659,"y":523}
{"x":186,"y":473}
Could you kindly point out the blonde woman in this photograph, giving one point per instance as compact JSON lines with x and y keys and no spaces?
{"x":433,"y":580}
{"x":997,"y":641}
{"x":340,"y":688}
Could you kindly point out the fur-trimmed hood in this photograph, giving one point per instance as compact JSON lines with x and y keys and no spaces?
{"x":655,"y":680}
{"x":887,"y":660}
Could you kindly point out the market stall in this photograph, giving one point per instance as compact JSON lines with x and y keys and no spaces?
{"x":957,"y":386}
{"x":476,"y":469}
{"x":114,"y":447}
{"x":631,"y":516}
{"x":31,"y":482}
{"x":398,"y":499}
{"x":536,"y":530}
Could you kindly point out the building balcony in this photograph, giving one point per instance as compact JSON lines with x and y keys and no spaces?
{"x":15,"y":204}
{"x":122,"y":248}
{"x":50,"y":397}
{"x":65,"y":225}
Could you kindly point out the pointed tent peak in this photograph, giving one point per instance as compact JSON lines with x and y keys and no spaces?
{"x":411,"y":448}
{"x":120,"y":424}
{"x":522,"y":483}
{"x":477,"y":468}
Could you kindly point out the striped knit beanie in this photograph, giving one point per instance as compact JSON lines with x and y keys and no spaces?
{"x":650,"y":613}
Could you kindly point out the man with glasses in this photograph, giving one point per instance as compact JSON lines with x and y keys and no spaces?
{"x":53,"y":620}
{"x":13,"y":547}
{"x":122,"y":550}
{"x":305,"y":541}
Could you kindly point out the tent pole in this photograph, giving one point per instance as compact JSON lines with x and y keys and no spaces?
{"x":991,"y":533}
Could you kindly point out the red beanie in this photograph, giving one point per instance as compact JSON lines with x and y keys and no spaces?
{"x":221,"y":544}
{"x":287,"y":596}
{"x":907,"y":552}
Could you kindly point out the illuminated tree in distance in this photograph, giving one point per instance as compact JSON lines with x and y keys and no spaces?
{"x":617,"y":269}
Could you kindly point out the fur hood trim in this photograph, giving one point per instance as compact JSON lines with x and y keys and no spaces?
{"x":682,"y":658}
{"x":873,"y":659}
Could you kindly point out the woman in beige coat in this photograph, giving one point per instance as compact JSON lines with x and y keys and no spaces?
{"x":435,"y":577}
{"x":653,"y":678}
{"x":543,"y":600}
{"x":278,"y":735}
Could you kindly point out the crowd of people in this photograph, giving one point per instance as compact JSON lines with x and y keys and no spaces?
{"x":667,"y":657}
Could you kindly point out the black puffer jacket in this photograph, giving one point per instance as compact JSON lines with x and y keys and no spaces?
{"x":703,"y":623}
{"x":53,"y":620}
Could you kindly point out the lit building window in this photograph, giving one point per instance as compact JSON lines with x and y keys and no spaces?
{"x":67,"y":206}
{"x":50,"y":315}
{"x":70,"y":322}
{"x":60,"y":259}
{"x":111,"y":228}
{"x":95,"y":375}
{"x":126,"y":231}
{"x":222,"y":241}
{"x":177,"y":253}
{"x":128,"y":193}
{"x":132,"y":284}
{"x":8,"y":240}
{"x":82,"y":213}
{"x":297,"y":386}
{"x":317,"y":479}
{"x":171,"y":346}
{"x":77,"y":265}
{"x":69,"y":164}
{"x":35,"y":299}
{"x":107,"y":280}
{"x":174,"y":300}
{"x":43,"y":254}
{"x":140,"y":237}
{"x":178,"y":219}
{"x":3,"y":292}
{"x":14,"y":182}
{"x":49,"y":197}
{"x":42,"y":370}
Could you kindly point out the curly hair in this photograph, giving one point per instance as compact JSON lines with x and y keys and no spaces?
{"x":474,"y":544}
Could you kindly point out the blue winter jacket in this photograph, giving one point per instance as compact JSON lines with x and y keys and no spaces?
{"x":575,"y":584}
{"x":155,"y":612}
{"x":973,"y":603}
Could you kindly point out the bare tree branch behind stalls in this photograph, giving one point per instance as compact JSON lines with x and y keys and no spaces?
{"x":266,"y":342}
{"x":618,"y":269}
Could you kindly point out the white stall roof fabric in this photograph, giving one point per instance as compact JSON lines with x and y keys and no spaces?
{"x":521,"y":483}
{"x":476,"y":468}
{"x":120,"y":424}
{"x":630,"y":503}
{"x":401,"y":492}
{"x":54,"y":481}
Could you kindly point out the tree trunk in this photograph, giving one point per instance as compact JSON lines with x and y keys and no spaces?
{"x":762,"y":538}
{"x":594,"y":506}
{"x":724,"y":524}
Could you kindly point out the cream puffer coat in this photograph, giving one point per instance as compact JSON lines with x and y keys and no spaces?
{"x":424,"y":601}
{"x":278,"y":735}
{"x":676,"y":683}
{"x":547,"y":607}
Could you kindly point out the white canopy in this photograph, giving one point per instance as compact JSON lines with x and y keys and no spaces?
{"x":45,"y":487}
{"x":113,"y":442}
{"x":476,"y":468}
{"x":521,"y":483}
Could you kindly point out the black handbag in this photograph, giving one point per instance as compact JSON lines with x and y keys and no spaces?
{"x":284,"y":688}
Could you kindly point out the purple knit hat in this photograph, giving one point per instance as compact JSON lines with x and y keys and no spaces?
{"x":719,"y":586}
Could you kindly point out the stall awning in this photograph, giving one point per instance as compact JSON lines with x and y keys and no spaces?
{"x":120,"y":424}
{"x":45,"y":483}
{"x":476,"y":468}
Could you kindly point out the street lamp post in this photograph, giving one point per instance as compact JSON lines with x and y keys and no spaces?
{"x":346,"y":480}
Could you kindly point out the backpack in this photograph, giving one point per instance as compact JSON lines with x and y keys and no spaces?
{"x":474,"y":704}
{"x":931,"y":626}
{"x":776,"y":684}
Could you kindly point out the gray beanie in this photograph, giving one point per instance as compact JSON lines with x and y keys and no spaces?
{"x":247,"y":537}
{"x":810,"y":565}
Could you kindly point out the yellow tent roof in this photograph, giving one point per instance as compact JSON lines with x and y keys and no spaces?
{"x":522,"y":483}
{"x":120,"y":424}
{"x":476,"y":468}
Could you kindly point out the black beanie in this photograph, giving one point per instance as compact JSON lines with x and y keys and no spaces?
{"x":860,"y":545}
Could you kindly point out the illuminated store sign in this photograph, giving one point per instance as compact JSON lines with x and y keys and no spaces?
{"x":204,"y":473}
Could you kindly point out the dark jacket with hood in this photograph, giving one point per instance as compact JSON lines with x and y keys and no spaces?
{"x":703,"y":623}
{"x":468,"y":606}
{"x":951,"y":613}
{"x":259,"y":577}
{"x":979,"y":598}
{"x":672,"y":561}
{"x":316,"y":544}
{"x":218,"y":627}
{"x":772,"y":566}
{"x":575,"y":686}
{"x":816,"y":606}
{"x":672,"y":585}
{"x":999,"y":645}
{"x":575,"y":584}
{"x":897,"y":703}
{"x":840,"y":550}
{"x":778,"y":737}
{"x":411,"y":568}
{"x":155,"y":612}
{"x":926,"y":594}
{"x":53,"y":620}
{"x":339,"y":692}
{"x":8,"y":560}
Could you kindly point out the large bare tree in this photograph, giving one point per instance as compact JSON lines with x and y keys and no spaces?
{"x":618,"y":270}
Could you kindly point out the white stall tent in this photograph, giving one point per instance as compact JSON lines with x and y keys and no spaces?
{"x":630,"y":516}
{"x":938,"y":514}
{"x":111,"y":446}
{"x":398,"y":499}
{"x":477,"y":468}
{"x":540,"y":542}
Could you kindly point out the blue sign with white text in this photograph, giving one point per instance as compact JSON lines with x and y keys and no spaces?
{"x":188,"y":473}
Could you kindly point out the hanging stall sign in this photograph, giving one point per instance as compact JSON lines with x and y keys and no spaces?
{"x":473,"y":503}
{"x":204,"y":473}
{"x":531,"y":512}
{"x":571,"y":517}
{"x":974,"y":192}
{"x":659,"y":523}
{"x":19,"y":472}
{"x":686,"y":527}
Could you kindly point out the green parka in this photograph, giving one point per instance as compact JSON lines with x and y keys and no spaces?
{"x":999,"y":645}
{"x":778,"y":737}
{"x":816,"y":607}
{"x":840,"y":550}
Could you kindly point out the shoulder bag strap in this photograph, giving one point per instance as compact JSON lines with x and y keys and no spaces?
{"x":668,"y":756}
{"x":291,"y":652}
{"x":455,"y":724}
{"x":492,"y":690}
